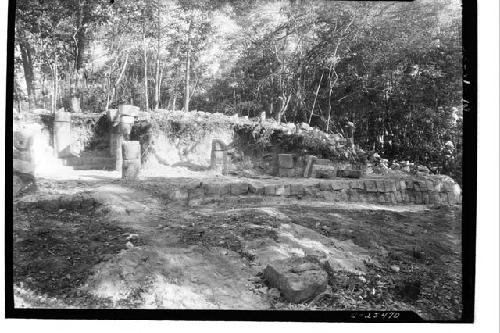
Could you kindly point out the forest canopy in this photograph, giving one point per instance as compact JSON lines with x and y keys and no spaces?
{"x":393,"y":69}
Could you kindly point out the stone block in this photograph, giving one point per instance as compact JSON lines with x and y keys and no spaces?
{"x":285,"y":161}
{"x":297,"y":279}
{"x":349,"y":173}
{"x":402,"y":184}
{"x":435,"y":199}
{"x":422,"y":185}
{"x":283,"y":190}
{"x":419,"y":198}
{"x":179,"y":194}
{"x":452,"y":198}
{"x":390,"y":185}
{"x":62,"y":138}
{"x":327,"y":195}
{"x":196,"y":193}
{"x":23,"y":166}
{"x":409,"y":184}
{"x":296,"y":189}
{"x":131,"y":168}
{"x":270,"y":189}
{"x":287,"y":172}
{"x":218,"y":145}
{"x":210,"y":189}
{"x":325,"y":186}
{"x":399,"y":196}
{"x":380,"y":186}
{"x":425,"y":198}
{"x":438,"y":186}
{"x":323,"y":161}
{"x":324,"y":173}
{"x":128,"y":110}
{"x":448,"y":186}
{"x":430,"y":185}
{"x":256,"y":189}
{"x":311,"y":190}
{"x":354,"y":196}
{"x":343,"y":195}
{"x":239,"y":188}
{"x":371,"y":185}
{"x":357,"y":184}
{"x":23,"y":140}
{"x":338,"y":185}
{"x":131,"y":150}
{"x":22,"y":155}
{"x":309,"y":165}
{"x":127,"y":120}
{"x":62,"y":117}
{"x":224,"y":189}
{"x":218,"y":161}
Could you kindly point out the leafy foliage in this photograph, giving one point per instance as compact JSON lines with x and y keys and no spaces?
{"x":394,"y":70}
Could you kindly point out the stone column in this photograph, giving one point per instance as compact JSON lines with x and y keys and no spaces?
{"x":126,"y":123}
{"x":350,"y":133}
{"x":115,"y":146}
{"x":218,"y":157}
{"x":23,"y":152}
{"x":131,"y":152}
{"x":62,"y":133}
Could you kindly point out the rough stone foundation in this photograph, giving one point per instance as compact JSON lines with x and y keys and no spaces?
{"x":435,"y":190}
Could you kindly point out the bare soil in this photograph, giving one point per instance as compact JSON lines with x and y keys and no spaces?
{"x":130,"y":248}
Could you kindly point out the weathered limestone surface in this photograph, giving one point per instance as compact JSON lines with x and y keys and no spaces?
{"x":297,"y":279}
{"x":285,"y":161}
{"x":218,"y":157}
{"x":430,"y":190}
{"x":62,"y":133}
{"x":131,"y":165}
{"x":23,"y":152}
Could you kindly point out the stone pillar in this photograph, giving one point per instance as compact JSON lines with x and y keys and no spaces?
{"x":350,"y":133}
{"x":23,"y":152}
{"x":115,"y":146}
{"x":131,"y":152}
{"x":75,"y":104}
{"x":126,"y":123}
{"x":309,"y":165}
{"x":218,"y":157}
{"x":286,"y":165}
{"x":62,"y":133}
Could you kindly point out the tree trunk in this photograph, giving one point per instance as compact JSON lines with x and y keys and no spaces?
{"x":329,"y":104}
{"x":145,"y":55}
{"x":186,"y":83}
{"x":315,"y":98}
{"x":157,"y":82}
{"x":117,"y":82}
{"x":28,"y":70}
{"x":54,"y":87}
{"x":157,"y":74}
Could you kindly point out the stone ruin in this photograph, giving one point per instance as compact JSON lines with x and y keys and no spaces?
{"x":294,"y":175}
{"x":62,"y":139}
{"x":218,"y":157}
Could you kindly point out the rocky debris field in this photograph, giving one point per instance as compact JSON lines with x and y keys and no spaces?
{"x":111,"y":244}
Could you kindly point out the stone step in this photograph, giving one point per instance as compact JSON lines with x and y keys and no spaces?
{"x":95,"y":166}
{"x":79,"y":161}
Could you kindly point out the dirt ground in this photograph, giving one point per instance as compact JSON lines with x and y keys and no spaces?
{"x":99,"y":242}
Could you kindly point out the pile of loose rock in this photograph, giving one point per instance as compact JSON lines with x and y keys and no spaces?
{"x":378,"y":165}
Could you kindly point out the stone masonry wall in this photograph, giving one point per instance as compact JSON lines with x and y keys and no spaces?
{"x":433,"y":190}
